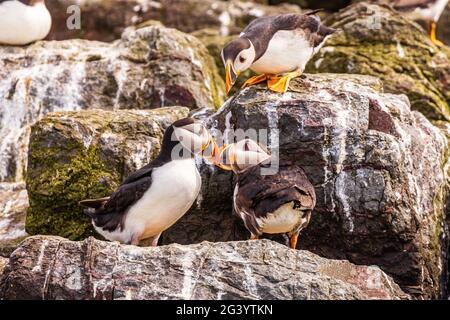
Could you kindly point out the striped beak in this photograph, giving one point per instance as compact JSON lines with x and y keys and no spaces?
{"x":230,"y":75}
{"x":213,"y":153}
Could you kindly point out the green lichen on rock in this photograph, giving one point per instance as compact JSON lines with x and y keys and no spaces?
{"x":86,"y":154}
{"x":377,"y":41}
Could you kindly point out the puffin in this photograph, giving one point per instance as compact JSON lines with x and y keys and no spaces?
{"x":23,"y":21}
{"x":276,"y":47}
{"x":279,"y":203}
{"x":428,"y":10}
{"x":154,"y":197}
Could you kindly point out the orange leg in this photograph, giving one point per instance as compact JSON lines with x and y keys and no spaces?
{"x":255,"y":80}
{"x":281,"y":83}
{"x":293,"y":241}
{"x":433,"y":36}
{"x":254,"y":237}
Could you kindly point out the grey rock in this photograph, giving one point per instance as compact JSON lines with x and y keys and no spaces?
{"x":13,"y":208}
{"x":377,"y":167}
{"x":380,"y":42}
{"x":105,"y":20}
{"x":3,"y":263}
{"x":56,"y":268}
{"x":148,"y":68}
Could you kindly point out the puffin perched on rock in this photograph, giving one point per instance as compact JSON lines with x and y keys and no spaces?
{"x":276,"y":47}
{"x":428,"y":10}
{"x":273,"y":204}
{"x":23,"y":21}
{"x":153,"y":198}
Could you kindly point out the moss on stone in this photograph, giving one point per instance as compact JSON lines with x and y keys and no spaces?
{"x":376,"y":41}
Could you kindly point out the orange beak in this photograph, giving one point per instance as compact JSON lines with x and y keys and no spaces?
{"x":219,"y":158}
{"x":215,"y":156}
{"x":230,"y":75}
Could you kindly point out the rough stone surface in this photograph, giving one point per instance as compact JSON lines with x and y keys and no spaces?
{"x":105,"y":20}
{"x":13,"y":208}
{"x":3,"y":263}
{"x":56,"y":268}
{"x":443,"y":29}
{"x":148,"y":68}
{"x":316,"y":4}
{"x":444,"y":26}
{"x":378,"y":170}
{"x":86,"y":154}
{"x":377,"y":41}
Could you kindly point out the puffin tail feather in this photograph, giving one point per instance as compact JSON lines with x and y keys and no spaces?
{"x":92,"y":205}
{"x":325,"y":31}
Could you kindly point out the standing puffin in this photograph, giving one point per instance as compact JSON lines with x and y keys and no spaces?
{"x":276,"y":47}
{"x":428,"y":10}
{"x":23,"y":21}
{"x":153,"y":198}
{"x":273,"y":204}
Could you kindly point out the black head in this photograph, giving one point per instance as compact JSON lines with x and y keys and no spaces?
{"x":237,"y":56}
{"x":185,"y":137}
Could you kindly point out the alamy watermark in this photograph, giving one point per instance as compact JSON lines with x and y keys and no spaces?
{"x":263,"y":147}
{"x":73,"y":21}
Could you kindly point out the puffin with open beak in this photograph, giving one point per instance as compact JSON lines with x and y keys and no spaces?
{"x":153,"y":198}
{"x":276,"y":47}
{"x":428,"y":10}
{"x":280,"y":203}
{"x":23,"y":21}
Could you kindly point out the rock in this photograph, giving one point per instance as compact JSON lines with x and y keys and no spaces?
{"x":56,"y":268}
{"x":377,"y":166}
{"x":105,"y":20}
{"x":87,"y":154}
{"x":13,"y":208}
{"x":316,"y":4}
{"x":148,"y":68}
{"x":377,"y":41}
{"x":3,"y":263}
{"x":443,"y":28}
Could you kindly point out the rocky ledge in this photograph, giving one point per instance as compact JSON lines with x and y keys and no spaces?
{"x":147,"y":68}
{"x":378,"y":168}
{"x":56,"y":268}
{"x":376,"y":41}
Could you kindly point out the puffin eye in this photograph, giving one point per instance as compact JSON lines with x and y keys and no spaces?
{"x":241,"y":59}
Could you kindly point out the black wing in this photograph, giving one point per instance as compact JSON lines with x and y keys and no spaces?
{"x":109,"y":213}
{"x":260,"y":195}
{"x":261,"y":30}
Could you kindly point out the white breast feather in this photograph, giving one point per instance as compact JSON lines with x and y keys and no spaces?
{"x":285,"y":219}
{"x":288,"y":51}
{"x":432,"y":13}
{"x":175,"y":186}
{"x":21,"y":24}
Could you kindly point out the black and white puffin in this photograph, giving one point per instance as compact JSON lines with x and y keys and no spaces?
{"x":279,"y":203}
{"x":23,"y":21}
{"x":428,"y":10}
{"x":153,"y":198}
{"x":276,"y":47}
